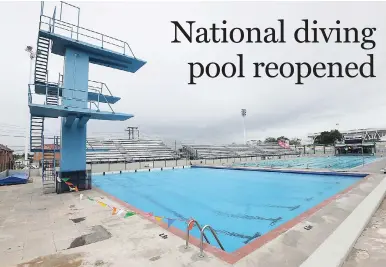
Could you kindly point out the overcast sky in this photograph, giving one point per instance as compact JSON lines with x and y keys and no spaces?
{"x":165,"y":106}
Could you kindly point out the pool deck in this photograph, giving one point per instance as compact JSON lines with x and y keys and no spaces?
{"x":39,"y":229}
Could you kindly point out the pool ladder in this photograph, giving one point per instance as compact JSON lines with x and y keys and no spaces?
{"x":202,"y":236}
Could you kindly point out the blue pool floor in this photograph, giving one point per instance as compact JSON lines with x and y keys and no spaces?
{"x":239,"y":205}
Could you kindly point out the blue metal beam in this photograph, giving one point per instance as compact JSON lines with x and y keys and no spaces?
{"x":68,"y":121}
{"x":82,"y":121}
{"x":48,"y":111}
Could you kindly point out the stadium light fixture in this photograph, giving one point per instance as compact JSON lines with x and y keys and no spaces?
{"x":244,"y":114}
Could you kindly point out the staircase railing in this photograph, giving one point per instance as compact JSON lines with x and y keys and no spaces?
{"x":52,"y":25}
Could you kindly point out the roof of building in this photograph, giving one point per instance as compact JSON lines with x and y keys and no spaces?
{"x":3,"y":147}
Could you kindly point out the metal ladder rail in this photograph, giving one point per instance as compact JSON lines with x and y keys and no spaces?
{"x":201,"y":255}
{"x":188,"y":231}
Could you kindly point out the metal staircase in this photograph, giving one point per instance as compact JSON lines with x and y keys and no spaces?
{"x":41,"y":62}
{"x":36,"y":134}
{"x":48,"y":167}
{"x":49,"y":163}
{"x":52,"y":95}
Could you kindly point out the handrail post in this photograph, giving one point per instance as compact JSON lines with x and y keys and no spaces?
{"x":53,"y":19}
{"x":61,"y":8}
{"x":46,"y":92}
{"x":187,"y":234}
{"x":98,"y":101}
{"x":41,"y":7}
{"x":187,"y":231}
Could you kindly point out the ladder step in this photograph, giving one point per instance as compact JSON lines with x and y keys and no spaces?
{"x":43,"y":39}
{"x":41,"y":60}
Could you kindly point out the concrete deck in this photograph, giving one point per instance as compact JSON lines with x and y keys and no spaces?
{"x":370,"y":248}
{"x":39,"y":229}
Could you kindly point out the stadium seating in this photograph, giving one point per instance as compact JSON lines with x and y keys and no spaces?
{"x":127,"y":150}
{"x":234,"y":150}
{"x":101,"y":150}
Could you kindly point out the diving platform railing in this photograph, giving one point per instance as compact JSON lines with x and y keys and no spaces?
{"x":202,"y":236}
{"x":52,"y":90}
{"x":77,"y":33}
{"x":97,"y":93}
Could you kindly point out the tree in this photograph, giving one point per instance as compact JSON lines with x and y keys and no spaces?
{"x":328,"y":138}
{"x":295,"y":141}
{"x":282,"y":138}
{"x":270,"y":140}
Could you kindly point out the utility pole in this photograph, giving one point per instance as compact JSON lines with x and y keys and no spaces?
{"x":243,"y":114}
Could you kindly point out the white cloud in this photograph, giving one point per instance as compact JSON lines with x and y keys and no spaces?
{"x":158,"y":94}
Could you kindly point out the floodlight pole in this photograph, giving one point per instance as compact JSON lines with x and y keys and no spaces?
{"x":243,"y":114}
{"x":32,"y":55}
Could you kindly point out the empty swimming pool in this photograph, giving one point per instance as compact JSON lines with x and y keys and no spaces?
{"x":332,"y":162}
{"x":240,"y":205}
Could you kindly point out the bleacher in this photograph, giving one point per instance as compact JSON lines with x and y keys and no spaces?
{"x":208,"y":151}
{"x":273,"y":149}
{"x":127,"y":150}
{"x":234,"y":150}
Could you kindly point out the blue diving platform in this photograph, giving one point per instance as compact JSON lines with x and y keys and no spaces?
{"x":73,"y":98}
{"x":52,"y":111}
{"x":41,"y":88}
{"x":97,"y":55}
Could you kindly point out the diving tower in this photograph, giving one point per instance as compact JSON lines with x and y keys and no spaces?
{"x":73,"y":98}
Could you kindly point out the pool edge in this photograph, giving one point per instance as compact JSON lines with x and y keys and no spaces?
{"x":242,"y":252}
{"x":284,"y":170}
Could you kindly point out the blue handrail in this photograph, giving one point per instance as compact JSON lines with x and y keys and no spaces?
{"x":56,"y":87}
{"x":102,"y":39}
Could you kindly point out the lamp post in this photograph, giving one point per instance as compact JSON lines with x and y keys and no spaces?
{"x":243,"y":114}
{"x":32,"y":56}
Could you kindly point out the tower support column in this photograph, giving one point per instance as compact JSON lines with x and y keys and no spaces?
{"x":74,"y":128}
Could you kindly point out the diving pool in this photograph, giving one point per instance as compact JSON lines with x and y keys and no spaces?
{"x":332,"y":162}
{"x":240,"y":205}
